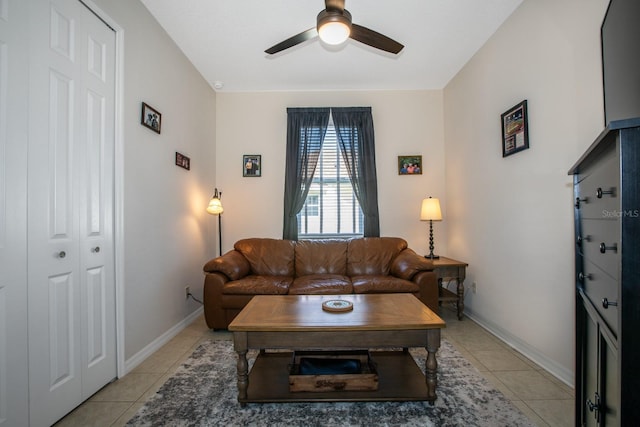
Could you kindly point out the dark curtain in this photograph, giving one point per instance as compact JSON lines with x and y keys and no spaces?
{"x":354,"y":128}
{"x":306,"y":128}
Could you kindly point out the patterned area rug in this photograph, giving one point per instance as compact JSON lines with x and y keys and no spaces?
{"x":203,"y":392}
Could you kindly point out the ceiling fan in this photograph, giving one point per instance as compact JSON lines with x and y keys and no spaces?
{"x":334,"y":27}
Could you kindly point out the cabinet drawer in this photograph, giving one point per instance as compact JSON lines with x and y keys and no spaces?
{"x":598,"y":191}
{"x":598,"y":235}
{"x":597,"y":285}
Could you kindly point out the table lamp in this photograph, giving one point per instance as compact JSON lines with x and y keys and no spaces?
{"x":431,"y":212}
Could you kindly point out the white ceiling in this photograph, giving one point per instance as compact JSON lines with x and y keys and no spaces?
{"x":226,"y":39}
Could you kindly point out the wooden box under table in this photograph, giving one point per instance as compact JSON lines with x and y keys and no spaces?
{"x":325,"y":371}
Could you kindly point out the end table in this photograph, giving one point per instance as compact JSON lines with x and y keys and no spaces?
{"x":451,"y":268}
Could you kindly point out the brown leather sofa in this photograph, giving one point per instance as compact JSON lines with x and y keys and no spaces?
{"x":260,"y":266}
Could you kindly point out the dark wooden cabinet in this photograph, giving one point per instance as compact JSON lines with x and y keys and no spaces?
{"x":607,"y":284}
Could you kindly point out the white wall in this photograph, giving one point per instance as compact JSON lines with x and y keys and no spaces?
{"x":405,"y":122}
{"x":511,"y":218}
{"x":168,"y":236}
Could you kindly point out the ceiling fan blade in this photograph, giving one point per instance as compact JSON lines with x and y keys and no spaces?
{"x":292,"y":41}
{"x":374,"y":39}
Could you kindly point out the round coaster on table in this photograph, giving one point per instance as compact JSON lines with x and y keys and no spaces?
{"x":337,"y":305}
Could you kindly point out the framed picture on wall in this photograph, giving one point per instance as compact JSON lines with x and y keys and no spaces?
{"x":183,"y":161}
{"x":150,"y":118}
{"x":410,"y":165}
{"x":515,"y":129}
{"x":252,"y":165}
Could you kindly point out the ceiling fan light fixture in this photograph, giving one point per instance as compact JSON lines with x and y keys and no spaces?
{"x":334,"y":27}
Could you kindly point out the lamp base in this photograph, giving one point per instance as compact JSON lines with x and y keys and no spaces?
{"x":432,"y":256}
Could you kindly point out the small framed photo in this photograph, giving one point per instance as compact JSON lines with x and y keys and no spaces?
{"x":252,"y":165}
{"x":515,"y":129}
{"x":183,"y":161}
{"x":150,"y":118}
{"x":410,"y":165}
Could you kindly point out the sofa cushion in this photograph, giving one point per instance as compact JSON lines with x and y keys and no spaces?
{"x":321,"y":257}
{"x":382,"y":284}
{"x":373,"y":255}
{"x":325,"y":284}
{"x":408,"y":263}
{"x":258,"y":285}
{"x":268,"y":257}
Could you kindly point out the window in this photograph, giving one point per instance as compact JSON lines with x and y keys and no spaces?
{"x":331,"y":208}
{"x":311,"y":206}
{"x":342,"y":172}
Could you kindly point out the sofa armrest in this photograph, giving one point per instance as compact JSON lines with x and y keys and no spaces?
{"x":408,"y":263}
{"x":232,"y":264}
{"x":212,"y":300}
{"x":427,"y":281}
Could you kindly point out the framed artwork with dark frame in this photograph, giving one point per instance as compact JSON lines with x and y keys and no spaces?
{"x":183,"y":161}
{"x":150,"y":117}
{"x":252,"y":165}
{"x":410,"y":165}
{"x":515,"y":129}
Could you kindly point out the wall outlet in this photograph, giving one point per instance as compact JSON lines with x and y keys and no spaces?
{"x":187,"y":291}
{"x":473,"y":287}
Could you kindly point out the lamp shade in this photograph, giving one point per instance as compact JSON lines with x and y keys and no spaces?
{"x":430,"y":210}
{"x":215,"y":205}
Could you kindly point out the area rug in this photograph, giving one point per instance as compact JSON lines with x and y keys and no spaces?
{"x":203,"y":392}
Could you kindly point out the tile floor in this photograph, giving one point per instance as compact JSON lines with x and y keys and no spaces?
{"x":544,"y":399}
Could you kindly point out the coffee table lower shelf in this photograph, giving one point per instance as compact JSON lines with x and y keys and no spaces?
{"x":399,"y":379}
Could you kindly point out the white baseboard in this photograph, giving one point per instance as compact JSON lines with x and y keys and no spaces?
{"x":156,"y":344}
{"x":560,"y":372}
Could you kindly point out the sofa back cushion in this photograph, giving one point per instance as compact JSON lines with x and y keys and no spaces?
{"x":268,"y":257}
{"x":321,"y":257}
{"x":372,"y":255}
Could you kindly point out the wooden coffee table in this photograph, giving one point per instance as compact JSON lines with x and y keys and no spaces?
{"x":387,"y":323}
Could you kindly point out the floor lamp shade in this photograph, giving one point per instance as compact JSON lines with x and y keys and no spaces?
{"x":431,"y":212}
{"x":215,"y":205}
{"x":215,"y":208}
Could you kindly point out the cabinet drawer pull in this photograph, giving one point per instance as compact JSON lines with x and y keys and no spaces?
{"x":96,"y":249}
{"x":606,"y":303}
{"x":581,"y":239}
{"x":604,"y":248}
{"x":600,"y":192}
{"x":582,"y":276}
{"x":62,"y":254}
{"x":594,"y":407}
{"x":578,"y":200}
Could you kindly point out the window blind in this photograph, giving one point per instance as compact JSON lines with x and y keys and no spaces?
{"x":331,"y":208}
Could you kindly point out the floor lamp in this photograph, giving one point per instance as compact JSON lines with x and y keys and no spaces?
{"x":215,"y":208}
{"x":431,"y":212}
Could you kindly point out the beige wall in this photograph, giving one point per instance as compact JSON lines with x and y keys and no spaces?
{"x":511,"y":218}
{"x":405,"y":122}
{"x":167,"y":233}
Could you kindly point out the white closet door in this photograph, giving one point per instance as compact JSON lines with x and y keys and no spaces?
{"x":14,"y":48}
{"x":96,"y":202}
{"x":71,"y":286}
